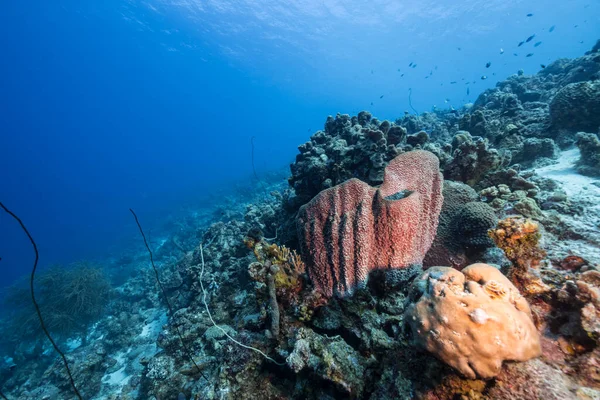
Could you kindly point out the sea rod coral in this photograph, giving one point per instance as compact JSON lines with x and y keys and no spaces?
{"x":353,"y":228}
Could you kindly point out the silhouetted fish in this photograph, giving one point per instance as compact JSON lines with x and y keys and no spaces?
{"x":543,"y":66}
{"x":381,"y":97}
{"x":530,"y":38}
{"x":459,"y":49}
{"x":537,"y":44}
{"x":468,"y":90}
{"x":520,"y":44}
{"x":453,"y":82}
{"x":414,"y":66}
{"x":401,"y":75}
{"x":515,"y":54}
{"x":410,"y":65}
{"x":483,"y":77}
{"x":487,"y":65}
{"x":530,"y":15}
{"x":529,"y":55}
{"x":551,"y":28}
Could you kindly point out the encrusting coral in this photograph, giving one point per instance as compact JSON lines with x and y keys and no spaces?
{"x":351,"y":229}
{"x":519,"y":239}
{"x":472,"y":320}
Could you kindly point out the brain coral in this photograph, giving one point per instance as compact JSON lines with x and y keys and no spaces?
{"x":472,"y":320}
{"x":353,"y":228}
{"x":471,"y":225}
{"x":448,"y":247}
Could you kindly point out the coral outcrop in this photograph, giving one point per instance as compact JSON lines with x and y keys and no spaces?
{"x":589,"y":147}
{"x":351,"y":229}
{"x":519,"y":239}
{"x":463,"y":228}
{"x":576,"y":107}
{"x":472,"y":320}
{"x":472,"y":159}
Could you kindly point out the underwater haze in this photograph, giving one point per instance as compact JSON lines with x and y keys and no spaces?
{"x":190,"y":112}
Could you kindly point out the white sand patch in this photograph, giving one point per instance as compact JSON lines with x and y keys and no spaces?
{"x":153,"y":328}
{"x":564,"y":172}
{"x":118,"y":378}
{"x":585,"y":196}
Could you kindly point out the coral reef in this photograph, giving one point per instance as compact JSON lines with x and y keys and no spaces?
{"x":257,"y":327}
{"x":472,"y":320}
{"x":353,"y":228}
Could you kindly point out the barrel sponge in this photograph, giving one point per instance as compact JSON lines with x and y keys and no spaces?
{"x":351,"y":229}
{"x":472,"y":320}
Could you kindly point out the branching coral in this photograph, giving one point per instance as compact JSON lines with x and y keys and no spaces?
{"x":70,"y":300}
{"x":281,"y":270}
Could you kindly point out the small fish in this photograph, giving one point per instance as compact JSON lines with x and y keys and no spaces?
{"x":483,"y":77}
{"x":537,"y":44}
{"x":430,"y":73}
{"x":446,"y":100}
{"x":581,"y":41}
{"x":381,"y":97}
{"x":410,"y":65}
{"x":515,"y":54}
{"x":401,"y":75}
{"x":468,"y":91}
{"x":371,"y":103}
{"x":501,"y":50}
{"x":529,"y":55}
{"x":371,"y":72}
{"x":520,"y":44}
{"x":459,"y":49}
{"x":575,"y":26}
{"x":398,"y":69}
{"x":487,"y":65}
{"x":552,"y":28}
{"x":453,"y":82}
{"x":543,"y":66}
{"x":414,"y":66}
{"x":529,"y":39}
{"x":530,"y":15}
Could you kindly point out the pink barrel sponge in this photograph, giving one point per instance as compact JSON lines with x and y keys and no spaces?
{"x":351,"y":229}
